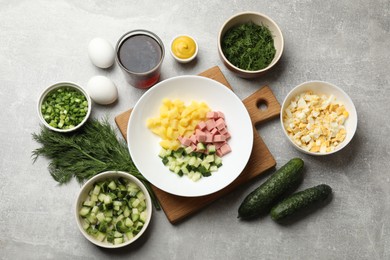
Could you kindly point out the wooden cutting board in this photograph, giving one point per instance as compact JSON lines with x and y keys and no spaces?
{"x":262,"y":106}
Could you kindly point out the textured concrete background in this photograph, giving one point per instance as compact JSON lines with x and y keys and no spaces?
{"x":341,"y":41}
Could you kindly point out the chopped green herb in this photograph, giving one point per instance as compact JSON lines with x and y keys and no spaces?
{"x":249,"y":46}
{"x":64,"y":108}
{"x":85,"y":153}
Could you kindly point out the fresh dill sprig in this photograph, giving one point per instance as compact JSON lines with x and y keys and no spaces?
{"x":82,"y":154}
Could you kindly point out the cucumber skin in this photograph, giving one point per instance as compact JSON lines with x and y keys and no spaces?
{"x":300,"y":200}
{"x":261,"y":199}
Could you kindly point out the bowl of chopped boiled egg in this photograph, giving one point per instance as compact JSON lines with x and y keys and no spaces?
{"x":318,"y":118}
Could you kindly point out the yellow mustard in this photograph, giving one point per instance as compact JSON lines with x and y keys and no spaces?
{"x":183,"y":47}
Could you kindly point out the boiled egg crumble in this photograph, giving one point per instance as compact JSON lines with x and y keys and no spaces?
{"x":315,"y":122}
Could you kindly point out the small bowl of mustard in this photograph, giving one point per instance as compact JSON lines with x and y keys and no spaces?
{"x":184,"y":48}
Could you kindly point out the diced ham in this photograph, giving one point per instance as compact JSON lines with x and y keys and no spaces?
{"x":201,"y":125}
{"x":219,"y":145}
{"x":223,"y":131}
{"x":210,"y":114}
{"x":210,"y":124}
{"x":200,"y":136}
{"x":209,"y":138}
{"x":185,"y":141}
{"x":193,"y":139}
{"x":213,"y":114}
{"x":221,"y":115}
{"x":225,"y":149}
{"x":220,"y":123}
{"x":213,"y":131}
{"x":219,"y":138}
{"x":193,"y":146}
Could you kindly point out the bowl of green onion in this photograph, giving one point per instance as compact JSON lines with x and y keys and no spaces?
{"x":250,"y":44}
{"x":113,"y":209}
{"x":64,"y":107}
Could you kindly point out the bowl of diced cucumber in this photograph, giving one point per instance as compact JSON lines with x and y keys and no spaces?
{"x":64,"y":107}
{"x":113,"y":209}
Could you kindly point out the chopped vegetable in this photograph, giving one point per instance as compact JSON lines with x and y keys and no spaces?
{"x":84,"y":153}
{"x":260,"y":200}
{"x":299,"y":201}
{"x":249,"y":46}
{"x":114,"y":211}
{"x":64,"y":107}
{"x":176,"y":119}
{"x":192,"y":164}
{"x":212,"y":133}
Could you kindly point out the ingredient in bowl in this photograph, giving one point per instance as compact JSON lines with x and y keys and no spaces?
{"x":102,"y":90}
{"x":83,"y":154}
{"x":64,"y":107}
{"x":194,"y":138}
{"x":201,"y":153}
{"x":212,"y":132}
{"x":315,"y":122}
{"x":249,"y":46}
{"x":101,"y":53}
{"x":192,"y":164}
{"x":299,"y":201}
{"x":176,"y":119}
{"x":114,"y":211}
{"x":261,"y":200}
{"x":183,"y":47}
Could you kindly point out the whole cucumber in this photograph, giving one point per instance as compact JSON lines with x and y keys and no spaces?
{"x":262,"y":199}
{"x":299,"y":201}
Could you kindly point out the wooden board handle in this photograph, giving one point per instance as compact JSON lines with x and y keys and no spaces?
{"x":262,"y":105}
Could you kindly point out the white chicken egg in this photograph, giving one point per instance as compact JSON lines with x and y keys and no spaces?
{"x":102,"y":90}
{"x":101,"y":53}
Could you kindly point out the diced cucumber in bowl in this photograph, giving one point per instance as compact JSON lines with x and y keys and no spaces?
{"x":113,"y":209}
{"x":195,"y":165}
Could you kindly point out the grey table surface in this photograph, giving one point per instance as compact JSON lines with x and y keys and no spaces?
{"x":343,"y":42}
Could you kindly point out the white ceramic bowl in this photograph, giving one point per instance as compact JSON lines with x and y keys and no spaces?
{"x":56,"y":86}
{"x":321,"y":87}
{"x":188,"y":59}
{"x":83,"y":194}
{"x":259,"y":19}
{"x":144,"y":145}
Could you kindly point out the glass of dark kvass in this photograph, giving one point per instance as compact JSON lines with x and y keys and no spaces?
{"x":140,"y":54}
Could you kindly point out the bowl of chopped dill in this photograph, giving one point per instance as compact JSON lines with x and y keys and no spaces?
{"x":249,"y":44}
{"x":64,"y":107}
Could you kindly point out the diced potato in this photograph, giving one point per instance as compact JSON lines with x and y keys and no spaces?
{"x":181,"y":129}
{"x":167,"y":102}
{"x":164,"y":110}
{"x":184,"y":121}
{"x":174,"y":123}
{"x":169,"y":132}
{"x":176,"y":119}
{"x":171,"y":145}
{"x":150,"y":122}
